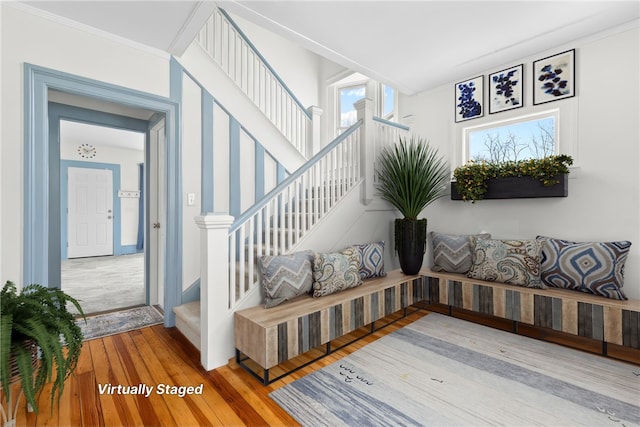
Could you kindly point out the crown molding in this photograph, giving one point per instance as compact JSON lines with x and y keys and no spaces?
{"x":86,"y":28}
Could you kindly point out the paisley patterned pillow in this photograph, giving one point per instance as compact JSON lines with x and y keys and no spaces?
{"x":515,"y":262}
{"x":335,"y":272}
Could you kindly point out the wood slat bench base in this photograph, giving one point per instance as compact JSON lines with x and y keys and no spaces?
{"x":275,"y":335}
{"x":610,"y":322}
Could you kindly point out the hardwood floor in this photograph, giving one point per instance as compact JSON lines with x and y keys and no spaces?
{"x":156,"y":355}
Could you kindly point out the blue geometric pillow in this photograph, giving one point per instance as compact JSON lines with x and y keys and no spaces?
{"x":285,"y":277}
{"x":592,"y":267}
{"x":372,"y":264}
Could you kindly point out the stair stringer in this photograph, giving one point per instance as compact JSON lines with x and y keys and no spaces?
{"x":208,"y":74}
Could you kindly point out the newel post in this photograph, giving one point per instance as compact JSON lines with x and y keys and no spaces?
{"x":215,"y":335}
{"x":365,"y":107}
{"x":313,"y":131}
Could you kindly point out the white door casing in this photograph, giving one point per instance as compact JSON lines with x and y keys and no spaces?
{"x":90,"y":212}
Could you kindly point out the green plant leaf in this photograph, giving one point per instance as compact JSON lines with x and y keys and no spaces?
{"x":411,"y":175}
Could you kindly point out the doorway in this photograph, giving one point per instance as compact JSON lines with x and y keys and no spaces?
{"x":41,"y":249}
{"x":102,"y":209}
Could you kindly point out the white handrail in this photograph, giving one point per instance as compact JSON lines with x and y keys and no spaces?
{"x":230,"y":48}
{"x":276,"y":224}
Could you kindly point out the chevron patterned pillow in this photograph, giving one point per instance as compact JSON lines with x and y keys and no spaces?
{"x":593,"y":267}
{"x":286,"y":276}
{"x":452,"y":252}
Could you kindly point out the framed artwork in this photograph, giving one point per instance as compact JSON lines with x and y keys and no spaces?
{"x":554,"y":77}
{"x":469,"y":97}
{"x":505,"y":89}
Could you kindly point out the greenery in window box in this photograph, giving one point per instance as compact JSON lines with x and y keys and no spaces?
{"x":471,"y":178}
{"x":37,"y":318}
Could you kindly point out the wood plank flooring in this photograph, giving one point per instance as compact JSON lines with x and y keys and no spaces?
{"x":156,"y":355}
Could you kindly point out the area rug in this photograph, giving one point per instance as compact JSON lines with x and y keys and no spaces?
{"x":102,"y":325}
{"x":441,"y":371}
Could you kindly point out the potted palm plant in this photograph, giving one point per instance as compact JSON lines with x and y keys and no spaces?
{"x":411,"y":175}
{"x":38,"y":337}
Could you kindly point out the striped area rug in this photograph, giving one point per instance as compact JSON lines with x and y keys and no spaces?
{"x":442,"y":371}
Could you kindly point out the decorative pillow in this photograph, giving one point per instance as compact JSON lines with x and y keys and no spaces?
{"x":285,"y":276}
{"x":452,"y":252}
{"x":372,"y":264}
{"x":336,"y":271}
{"x":515,"y":262}
{"x":593,"y":267}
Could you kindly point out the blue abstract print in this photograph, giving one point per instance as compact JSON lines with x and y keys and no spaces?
{"x":468,"y":105}
{"x":504,"y":85}
{"x":552,"y":82}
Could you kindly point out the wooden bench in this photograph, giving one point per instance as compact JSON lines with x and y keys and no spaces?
{"x":271,"y":336}
{"x":606,"y":321}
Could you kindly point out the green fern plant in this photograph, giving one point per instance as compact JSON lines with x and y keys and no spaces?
{"x":40,"y":315}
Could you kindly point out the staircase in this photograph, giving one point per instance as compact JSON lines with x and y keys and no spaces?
{"x":295,"y":209}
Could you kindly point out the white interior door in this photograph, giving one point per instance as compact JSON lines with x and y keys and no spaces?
{"x":90,"y":212}
{"x":157,"y":214}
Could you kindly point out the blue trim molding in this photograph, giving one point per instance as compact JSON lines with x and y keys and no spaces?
{"x":41,"y":246}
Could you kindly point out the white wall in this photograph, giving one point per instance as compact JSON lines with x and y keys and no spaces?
{"x":604,"y":190}
{"x":30,"y":38}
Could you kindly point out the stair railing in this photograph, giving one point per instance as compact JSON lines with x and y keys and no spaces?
{"x":275,"y":224}
{"x":229,"y":47}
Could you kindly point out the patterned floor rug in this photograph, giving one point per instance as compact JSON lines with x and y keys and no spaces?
{"x":444,"y":371}
{"x":117,"y":322}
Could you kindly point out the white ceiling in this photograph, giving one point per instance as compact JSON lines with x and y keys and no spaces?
{"x":411,"y":45}
{"x":417,"y":45}
{"x":75,"y":134}
{"x":169,"y":26}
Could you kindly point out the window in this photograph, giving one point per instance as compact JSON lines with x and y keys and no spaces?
{"x":388,"y":102}
{"x":347,"y":96}
{"x":355,"y":87}
{"x":525,"y":137}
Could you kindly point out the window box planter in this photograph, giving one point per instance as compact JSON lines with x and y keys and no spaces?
{"x":519,"y":187}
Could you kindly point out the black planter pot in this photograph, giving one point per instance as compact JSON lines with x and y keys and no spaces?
{"x":411,"y":240}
